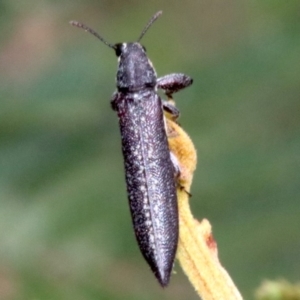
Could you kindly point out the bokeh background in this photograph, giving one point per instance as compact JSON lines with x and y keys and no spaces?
{"x":65,"y":228}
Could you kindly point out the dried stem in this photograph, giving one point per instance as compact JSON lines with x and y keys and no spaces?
{"x":197,"y":250}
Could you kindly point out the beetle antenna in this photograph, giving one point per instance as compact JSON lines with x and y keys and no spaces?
{"x":151,"y":21}
{"x":93,"y":32}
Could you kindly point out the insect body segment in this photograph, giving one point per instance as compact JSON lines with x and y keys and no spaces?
{"x":135,"y":72}
{"x":150,"y":168}
{"x":150,"y":180}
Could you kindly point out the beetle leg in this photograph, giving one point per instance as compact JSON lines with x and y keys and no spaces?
{"x":171,"y":111}
{"x":114,"y":100}
{"x":173,"y":83}
{"x":176,"y":165}
{"x":177,"y":172}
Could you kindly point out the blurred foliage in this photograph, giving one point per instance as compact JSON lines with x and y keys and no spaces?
{"x":278,"y":290}
{"x":65,"y":229}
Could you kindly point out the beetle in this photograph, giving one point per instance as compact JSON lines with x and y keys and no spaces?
{"x":150,"y":168}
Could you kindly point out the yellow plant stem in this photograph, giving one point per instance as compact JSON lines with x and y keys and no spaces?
{"x":197,"y":250}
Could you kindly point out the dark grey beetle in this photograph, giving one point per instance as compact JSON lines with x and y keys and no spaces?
{"x":150,"y":168}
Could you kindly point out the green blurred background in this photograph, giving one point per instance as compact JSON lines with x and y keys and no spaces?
{"x":65,"y":228}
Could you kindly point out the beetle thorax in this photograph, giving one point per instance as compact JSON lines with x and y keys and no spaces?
{"x":135,"y":70}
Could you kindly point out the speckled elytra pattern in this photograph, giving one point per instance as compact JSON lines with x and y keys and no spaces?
{"x":150,"y":179}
